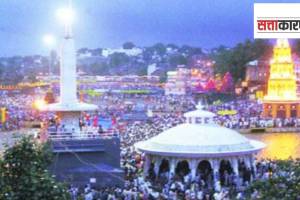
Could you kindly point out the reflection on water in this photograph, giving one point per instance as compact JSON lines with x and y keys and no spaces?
{"x":279,"y":145}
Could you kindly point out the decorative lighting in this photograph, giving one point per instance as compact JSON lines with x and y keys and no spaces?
{"x":49,"y":40}
{"x":282,"y":81}
{"x":66,"y":16}
{"x":39,"y":104}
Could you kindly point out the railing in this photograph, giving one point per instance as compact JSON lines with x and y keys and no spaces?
{"x":79,"y":136}
{"x":87,"y":133}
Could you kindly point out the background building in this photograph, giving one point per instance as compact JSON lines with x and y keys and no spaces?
{"x":281,"y":100}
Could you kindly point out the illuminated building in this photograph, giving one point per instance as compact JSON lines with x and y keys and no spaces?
{"x":185,"y":80}
{"x":281,"y":100}
{"x":257,"y":72}
{"x":177,"y":82}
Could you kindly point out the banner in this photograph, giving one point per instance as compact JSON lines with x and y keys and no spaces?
{"x":3,"y":115}
{"x":227,"y":112}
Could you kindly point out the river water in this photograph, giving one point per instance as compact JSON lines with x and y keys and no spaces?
{"x":279,"y":145}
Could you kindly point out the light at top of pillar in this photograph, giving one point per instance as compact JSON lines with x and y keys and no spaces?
{"x":49,"y":40}
{"x":66,"y":16}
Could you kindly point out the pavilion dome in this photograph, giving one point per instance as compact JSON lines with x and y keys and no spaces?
{"x":199,"y":136}
{"x":199,"y":112}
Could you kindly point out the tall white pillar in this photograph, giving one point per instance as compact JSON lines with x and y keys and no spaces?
{"x":68,"y":84}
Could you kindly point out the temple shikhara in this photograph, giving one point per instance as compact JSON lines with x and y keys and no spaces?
{"x":281,"y":100}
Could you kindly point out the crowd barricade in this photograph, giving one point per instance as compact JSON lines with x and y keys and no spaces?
{"x":81,"y":136}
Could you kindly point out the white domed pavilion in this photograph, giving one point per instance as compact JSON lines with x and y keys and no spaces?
{"x":199,"y":146}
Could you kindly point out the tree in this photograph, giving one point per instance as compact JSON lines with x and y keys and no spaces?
{"x":12,"y":75}
{"x":190,"y":50}
{"x":24,"y":175}
{"x":118,"y":59}
{"x":234,"y":60}
{"x":97,"y":68}
{"x":31,"y":75}
{"x":160,"y":49}
{"x":128,"y":45}
{"x":173,"y":46}
{"x":178,"y":59}
{"x":284,"y":185}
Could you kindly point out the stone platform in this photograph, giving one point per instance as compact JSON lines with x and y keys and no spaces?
{"x":82,"y":161}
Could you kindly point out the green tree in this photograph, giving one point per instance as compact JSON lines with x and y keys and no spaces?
{"x":284,"y":186}
{"x":118,"y":59}
{"x":128,"y":45}
{"x":31,"y":75}
{"x":234,"y":60}
{"x":190,"y":50}
{"x":160,"y":49}
{"x":100,"y":68}
{"x":24,"y":175}
{"x":11,"y":75}
{"x":176,"y":60}
{"x":173,"y":46}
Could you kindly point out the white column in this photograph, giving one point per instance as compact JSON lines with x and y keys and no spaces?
{"x":215,"y":164}
{"x":172,"y":163}
{"x":253,"y":164}
{"x":235,"y":165}
{"x":193,"y":168}
{"x":147,"y":164}
{"x":68,"y":85}
{"x":247,"y":161}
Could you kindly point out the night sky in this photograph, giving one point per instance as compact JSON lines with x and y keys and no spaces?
{"x":110,"y":23}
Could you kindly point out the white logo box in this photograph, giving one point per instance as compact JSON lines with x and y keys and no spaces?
{"x":282,"y":13}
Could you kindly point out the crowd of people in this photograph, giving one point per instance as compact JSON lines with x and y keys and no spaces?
{"x":166,"y":112}
{"x":247,"y":114}
{"x":179,"y":188}
{"x":18,"y":110}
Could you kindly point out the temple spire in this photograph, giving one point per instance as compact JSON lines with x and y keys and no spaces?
{"x":282,"y":81}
